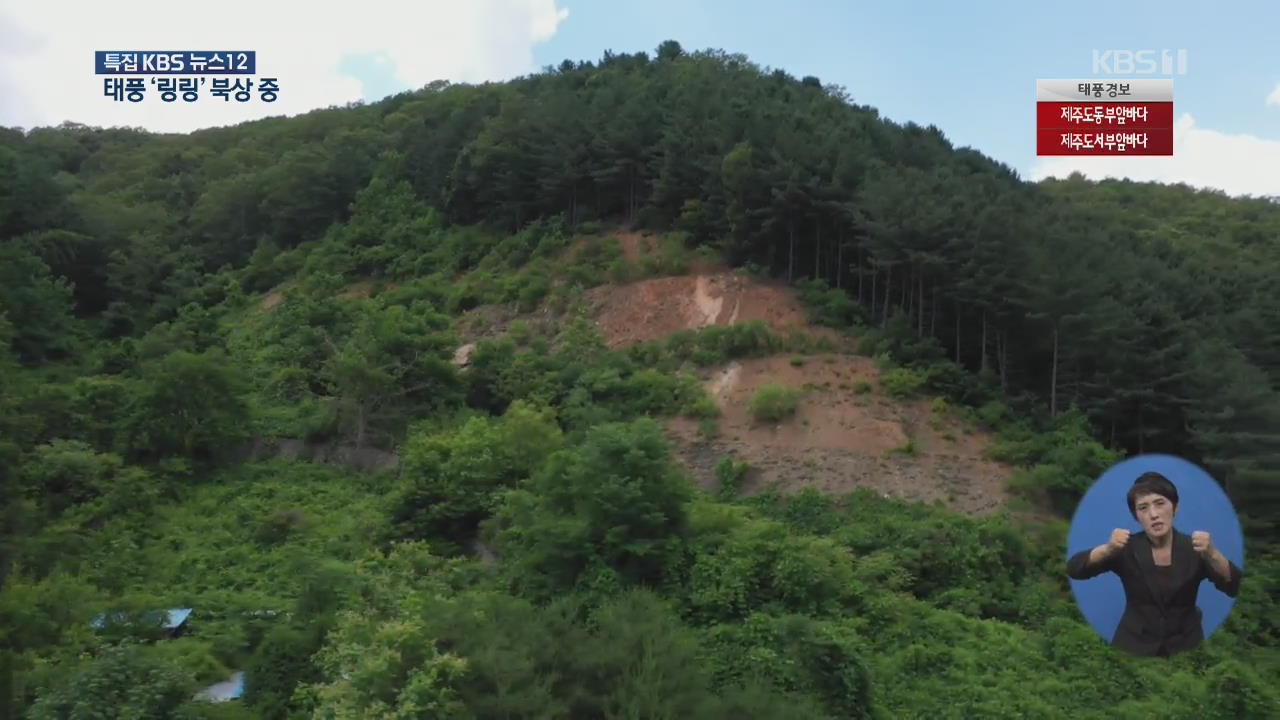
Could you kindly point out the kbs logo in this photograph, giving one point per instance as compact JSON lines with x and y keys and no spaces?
{"x":1139,"y":62}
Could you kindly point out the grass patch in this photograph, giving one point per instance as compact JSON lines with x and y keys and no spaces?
{"x":708,"y":428}
{"x":908,"y":448}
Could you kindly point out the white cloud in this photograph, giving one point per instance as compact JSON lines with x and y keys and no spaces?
{"x":46,"y":52}
{"x":1202,"y":158}
{"x":1274,"y":97}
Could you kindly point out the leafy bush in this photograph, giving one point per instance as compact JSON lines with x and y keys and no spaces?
{"x":902,"y":382}
{"x":614,"y":502}
{"x":761,"y":565}
{"x":900,"y":341}
{"x":126,"y":681}
{"x":819,"y":664}
{"x":189,"y":405}
{"x":704,"y":408}
{"x":729,"y":476}
{"x":772,"y":403}
{"x":280,"y":664}
{"x":453,"y":480}
{"x":829,"y":306}
{"x":279,"y":525}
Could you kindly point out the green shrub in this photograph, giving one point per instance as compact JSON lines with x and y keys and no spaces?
{"x":126,"y":681}
{"x":520,"y":332}
{"x":533,"y":287}
{"x":281,"y":662}
{"x":993,"y":414}
{"x":729,"y":476}
{"x":862,"y":387}
{"x":278,"y":526}
{"x":908,"y":448}
{"x":797,"y":362}
{"x":902,"y":382}
{"x":828,"y":306}
{"x":704,"y":408}
{"x":674,"y":255}
{"x":622,"y":271}
{"x":708,"y":428}
{"x":772,"y":403}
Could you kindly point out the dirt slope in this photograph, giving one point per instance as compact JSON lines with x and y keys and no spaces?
{"x":652,"y":309}
{"x":840,"y":439}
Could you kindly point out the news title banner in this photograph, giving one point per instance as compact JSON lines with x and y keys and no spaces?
{"x":225,"y":74}
{"x":1104,"y":117}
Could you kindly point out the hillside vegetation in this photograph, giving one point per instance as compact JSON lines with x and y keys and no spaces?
{"x":171,"y":305}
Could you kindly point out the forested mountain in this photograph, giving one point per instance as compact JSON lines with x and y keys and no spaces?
{"x":1081,"y":320}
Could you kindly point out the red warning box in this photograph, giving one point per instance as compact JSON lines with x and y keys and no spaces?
{"x":1088,"y":117}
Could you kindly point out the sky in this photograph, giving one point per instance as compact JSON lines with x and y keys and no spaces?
{"x":969,"y":68}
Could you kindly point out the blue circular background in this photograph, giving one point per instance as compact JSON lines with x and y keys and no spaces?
{"x":1202,"y":505}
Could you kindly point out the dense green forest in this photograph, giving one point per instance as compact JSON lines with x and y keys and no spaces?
{"x":538,"y":552}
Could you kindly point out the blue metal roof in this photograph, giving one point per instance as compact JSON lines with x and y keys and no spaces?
{"x":177,"y":617}
{"x":173,"y":618}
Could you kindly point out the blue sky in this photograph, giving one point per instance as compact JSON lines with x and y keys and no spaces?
{"x":967,"y":67}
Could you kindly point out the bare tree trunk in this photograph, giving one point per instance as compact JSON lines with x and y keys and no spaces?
{"x":791,"y":252}
{"x":361,"y":425}
{"x":888,"y":287}
{"x":1004,"y":359}
{"x":933,"y":312}
{"x":920,"y":306}
{"x":631,"y":197}
{"x":875,"y":276}
{"x":833,"y":260}
{"x":840,"y":263}
{"x":857,"y":259}
{"x":909,"y":296}
{"x":984,"y":341}
{"x":1053,"y":381}
{"x":957,"y":332}
{"x":1075,"y":382}
{"x":817,"y":249}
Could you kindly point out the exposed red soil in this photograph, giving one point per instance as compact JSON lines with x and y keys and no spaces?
{"x":636,"y":245}
{"x":653,"y":309}
{"x":838,"y":439}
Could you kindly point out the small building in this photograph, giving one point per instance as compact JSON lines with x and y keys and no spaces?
{"x":171,"y":622}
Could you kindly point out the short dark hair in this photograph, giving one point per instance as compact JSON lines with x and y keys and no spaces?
{"x":1148,"y":483}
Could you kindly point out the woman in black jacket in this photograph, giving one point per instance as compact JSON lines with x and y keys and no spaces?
{"x":1161,"y":570}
